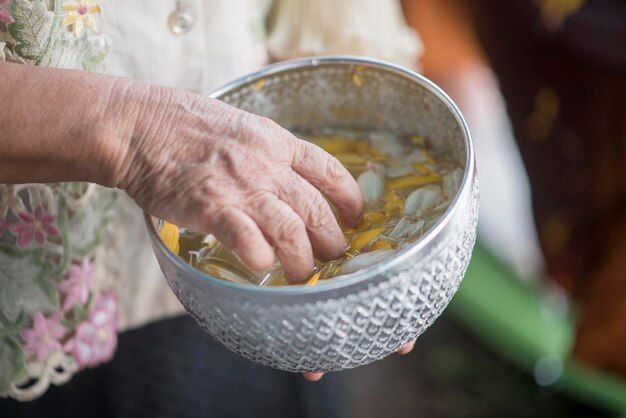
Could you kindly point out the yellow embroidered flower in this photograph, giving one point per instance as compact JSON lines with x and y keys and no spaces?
{"x":80,"y":14}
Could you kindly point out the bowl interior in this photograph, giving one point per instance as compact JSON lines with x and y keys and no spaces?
{"x":345,"y":93}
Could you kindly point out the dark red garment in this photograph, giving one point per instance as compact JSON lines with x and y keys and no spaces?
{"x":565,"y":88}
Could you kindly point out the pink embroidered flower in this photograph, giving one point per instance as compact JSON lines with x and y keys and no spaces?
{"x":5,"y":16}
{"x":96,"y":338}
{"x":78,"y":284}
{"x":43,"y":338}
{"x":35,"y":227}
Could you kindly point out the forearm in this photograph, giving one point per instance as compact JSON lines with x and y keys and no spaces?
{"x":62,"y":125}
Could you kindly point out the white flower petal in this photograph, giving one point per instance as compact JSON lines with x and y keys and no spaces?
{"x":372,"y":187}
{"x":405,"y":229}
{"x":422,"y":199}
{"x":418,"y":156}
{"x":399,"y":170}
{"x":366,"y":260}
{"x":387,"y":143}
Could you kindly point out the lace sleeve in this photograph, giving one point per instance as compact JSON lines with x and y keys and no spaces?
{"x":58,"y":309}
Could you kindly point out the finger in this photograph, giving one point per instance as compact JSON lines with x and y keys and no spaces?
{"x":287,"y":233}
{"x":325,"y":234}
{"x":313,"y":377}
{"x":327,"y":174}
{"x":237,"y":231}
{"x":407,"y":348}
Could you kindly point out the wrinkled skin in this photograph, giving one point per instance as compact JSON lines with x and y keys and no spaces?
{"x":244,"y":179}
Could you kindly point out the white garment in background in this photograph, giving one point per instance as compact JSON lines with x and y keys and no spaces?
{"x":506,"y":224}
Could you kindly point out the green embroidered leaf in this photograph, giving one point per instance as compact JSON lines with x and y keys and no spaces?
{"x":26,"y":284}
{"x":84,"y":53}
{"x":8,"y":329}
{"x":86,"y":226}
{"x":34,"y":28}
{"x":12,"y":366}
{"x":79,"y":314}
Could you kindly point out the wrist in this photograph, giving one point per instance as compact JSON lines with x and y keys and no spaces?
{"x":147,"y":114}
{"x":110,"y":131}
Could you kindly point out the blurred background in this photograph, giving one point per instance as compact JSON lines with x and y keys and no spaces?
{"x":537,"y":328}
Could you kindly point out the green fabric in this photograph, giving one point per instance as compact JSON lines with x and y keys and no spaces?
{"x":511,"y":316}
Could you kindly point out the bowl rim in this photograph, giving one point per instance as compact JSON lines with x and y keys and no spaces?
{"x":360,"y":276}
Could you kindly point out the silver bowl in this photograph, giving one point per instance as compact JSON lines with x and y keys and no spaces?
{"x":371,"y":313}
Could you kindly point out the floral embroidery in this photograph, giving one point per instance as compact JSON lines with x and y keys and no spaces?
{"x":34,"y":227}
{"x":96,"y":338}
{"x":52,"y":318}
{"x":5,"y":15}
{"x":10,"y":201}
{"x":80,"y":14}
{"x":52,"y":33}
{"x":44,"y":337}
{"x":78,"y":285}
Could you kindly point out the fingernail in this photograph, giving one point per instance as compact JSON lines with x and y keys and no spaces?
{"x":294,"y":280}
{"x":313,"y":377}
{"x":407,"y":348}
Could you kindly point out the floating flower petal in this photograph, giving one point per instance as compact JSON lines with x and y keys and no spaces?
{"x":422,"y":199}
{"x":372,"y":187}
{"x":170,"y":236}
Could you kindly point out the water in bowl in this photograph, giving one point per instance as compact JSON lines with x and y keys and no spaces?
{"x":406,"y":186}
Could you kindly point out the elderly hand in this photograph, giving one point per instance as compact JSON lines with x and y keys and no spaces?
{"x":183,"y":157}
{"x":202,"y":164}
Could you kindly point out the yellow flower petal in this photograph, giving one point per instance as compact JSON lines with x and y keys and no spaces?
{"x":314,"y":279}
{"x":79,"y":24}
{"x":372,"y":153}
{"x":372,"y":219}
{"x":383,"y":244}
{"x":258,"y":86}
{"x":70,"y":18}
{"x":412,"y":181}
{"x":361,"y":240}
{"x":71,"y":5}
{"x":94,"y":9}
{"x":170,"y":235}
{"x":422,"y":168}
{"x":428,"y":157}
{"x":332,"y":144}
{"x":394,"y":203}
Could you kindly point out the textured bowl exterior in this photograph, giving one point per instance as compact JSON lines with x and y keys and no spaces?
{"x":370,"y":314}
